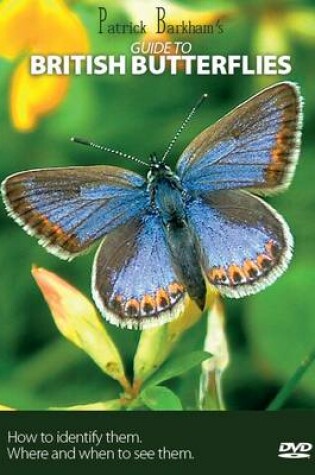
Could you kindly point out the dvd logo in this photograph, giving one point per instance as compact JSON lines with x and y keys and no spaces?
{"x":290,"y":450}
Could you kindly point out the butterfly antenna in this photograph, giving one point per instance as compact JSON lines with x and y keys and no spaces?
{"x":107,"y":149}
{"x":185,"y":122}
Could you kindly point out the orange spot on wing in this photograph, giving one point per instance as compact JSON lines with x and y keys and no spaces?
{"x":272,"y":249}
{"x":49,"y":228}
{"x":147,"y":305}
{"x":56,"y":229}
{"x":162,"y":299}
{"x":217,"y":275}
{"x":57,"y":236}
{"x":175,"y":290}
{"x":116,"y":303}
{"x":264,"y":262}
{"x":251,"y":270}
{"x":236,"y":274}
{"x":132,"y":308}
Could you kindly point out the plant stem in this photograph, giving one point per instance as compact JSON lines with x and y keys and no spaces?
{"x":211,"y":397}
{"x":125,"y":384}
{"x":219,"y":395}
{"x":288,"y":388}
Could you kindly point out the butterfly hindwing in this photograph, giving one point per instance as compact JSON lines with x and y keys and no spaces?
{"x":245,"y":245}
{"x":134,"y":282}
{"x":255,"y":146}
{"x":68,"y":209}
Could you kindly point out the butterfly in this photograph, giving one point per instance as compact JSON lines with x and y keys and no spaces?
{"x":168,"y":237}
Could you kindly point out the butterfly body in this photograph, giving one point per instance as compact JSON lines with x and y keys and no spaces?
{"x":168,"y":236}
{"x":167,"y":195}
{"x":169,"y":200}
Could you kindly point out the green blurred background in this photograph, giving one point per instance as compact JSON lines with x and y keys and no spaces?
{"x":270,"y":333}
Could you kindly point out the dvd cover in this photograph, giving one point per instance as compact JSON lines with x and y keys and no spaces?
{"x":157,"y":230}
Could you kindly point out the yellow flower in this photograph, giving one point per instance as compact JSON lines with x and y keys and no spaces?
{"x":34,"y":96}
{"x":77,"y":319}
{"x":37,"y":27}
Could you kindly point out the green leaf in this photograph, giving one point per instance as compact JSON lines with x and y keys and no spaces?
{"x":177,"y":366}
{"x":289,"y":387}
{"x":160,"y":398}
{"x":157,"y":343}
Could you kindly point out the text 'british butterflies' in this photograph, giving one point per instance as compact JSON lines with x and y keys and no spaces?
{"x":166,"y":236}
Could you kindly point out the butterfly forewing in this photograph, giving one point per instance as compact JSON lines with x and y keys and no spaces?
{"x":255,"y":146}
{"x":68,"y":209}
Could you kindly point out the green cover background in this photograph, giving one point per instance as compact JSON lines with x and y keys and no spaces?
{"x":268,"y":334}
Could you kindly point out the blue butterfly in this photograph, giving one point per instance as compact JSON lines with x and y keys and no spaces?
{"x":165,"y":238}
